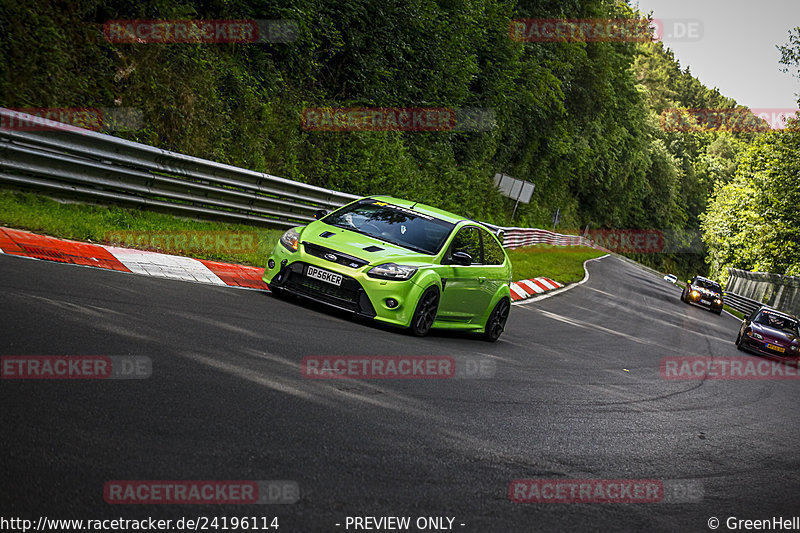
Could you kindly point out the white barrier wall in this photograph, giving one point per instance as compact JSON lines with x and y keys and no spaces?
{"x":775,"y":290}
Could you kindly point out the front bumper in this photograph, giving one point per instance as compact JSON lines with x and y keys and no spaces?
{"x":349,"y":296}
{"x":702,"y":300}
{"x":760,"y":347}
{"x":358,"y":293}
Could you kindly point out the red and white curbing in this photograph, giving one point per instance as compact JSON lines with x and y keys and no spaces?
{"x":523,"y":289}
{"x":21,"y":243}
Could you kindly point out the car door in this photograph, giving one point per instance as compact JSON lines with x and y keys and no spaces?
{"x":464,"y":295}
{"x":494,"y":272}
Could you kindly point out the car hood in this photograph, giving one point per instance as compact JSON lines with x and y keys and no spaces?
{"x":354,"y":243}
{"x":774,"y":335}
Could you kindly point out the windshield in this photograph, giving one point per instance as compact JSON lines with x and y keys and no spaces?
{"x":785,"y":324}
{"x":397,"y":225}
{"x":710,"y":285}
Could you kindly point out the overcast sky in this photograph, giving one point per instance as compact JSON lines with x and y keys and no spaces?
{"x":731,"y":45}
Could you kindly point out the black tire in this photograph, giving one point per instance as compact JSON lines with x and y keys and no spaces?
{"x":425,"y":313}
{"x":739,"y":342}
{"x":718,"y":311}
{"x":496,"y":323}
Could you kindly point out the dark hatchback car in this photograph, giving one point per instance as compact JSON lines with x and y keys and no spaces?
{"x":703,"y":292}
{"x":769,"y":332}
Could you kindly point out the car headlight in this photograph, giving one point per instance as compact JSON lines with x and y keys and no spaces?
{"x":695,"y":294}
{"x":755,"y":335}
{"x":793,"y":348}
{"x":717,"y":301}
{"x":290,"y":239}
{"x":392,"y":271}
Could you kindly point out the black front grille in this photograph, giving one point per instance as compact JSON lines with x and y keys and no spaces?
{"x":349,"y":295}
{"x":341,"y":258}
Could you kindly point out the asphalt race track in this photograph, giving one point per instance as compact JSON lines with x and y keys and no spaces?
{"x":577,"y":394}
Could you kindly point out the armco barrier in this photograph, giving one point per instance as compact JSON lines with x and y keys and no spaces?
{"x":762,"y":288}
{"x":517,"y":237}
{"x":740,"y":303}
{"x":64,"y":160}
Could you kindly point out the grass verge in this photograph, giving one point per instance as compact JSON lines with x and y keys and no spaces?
{"x":560,"y":263}
{"x":734,"y":312}
{"x":91,"y":223}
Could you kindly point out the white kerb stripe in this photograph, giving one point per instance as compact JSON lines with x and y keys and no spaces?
{"x":547,"y":283}
{"x":519,"y":292}
{"x":164,"y":266}
{"x":531,"y":285}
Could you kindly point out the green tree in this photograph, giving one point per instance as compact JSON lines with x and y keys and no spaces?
{"x":753,"y":222}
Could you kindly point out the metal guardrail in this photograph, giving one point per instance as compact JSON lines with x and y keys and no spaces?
{"x":64,"y":160}
{"x":740,"y":303}
{"x":775,"y":290}
{"x":518,"y":237}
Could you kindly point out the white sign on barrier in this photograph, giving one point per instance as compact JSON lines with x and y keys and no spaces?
{"x":515,"y":189}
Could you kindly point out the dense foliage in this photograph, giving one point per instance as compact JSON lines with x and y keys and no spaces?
{"x":579,"y":119}
{"x":753,"y":222}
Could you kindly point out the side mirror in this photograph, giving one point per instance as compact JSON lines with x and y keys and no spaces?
{"x":320,"y":213}
{"x":461,"y":259}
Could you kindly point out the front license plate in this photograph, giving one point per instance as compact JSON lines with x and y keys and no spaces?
{"x":705,"y":302}
{"x":776,"y":348}
{"x":323,"y":275}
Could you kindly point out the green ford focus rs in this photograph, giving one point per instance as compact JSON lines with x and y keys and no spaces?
{"x":398,"y":262}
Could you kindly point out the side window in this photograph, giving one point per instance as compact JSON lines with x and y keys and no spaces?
{"x":492,"y":251}
{"x":468,"y":240}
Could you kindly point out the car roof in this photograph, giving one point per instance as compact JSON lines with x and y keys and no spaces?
{"x":422,"y":208}
{"x":701,"y":278}
{"x":776,"y":312}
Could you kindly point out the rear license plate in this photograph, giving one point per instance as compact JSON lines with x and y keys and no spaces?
{"x":324,"y":275}
{"x":705,"y":302}
{"x":776,"y":348}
